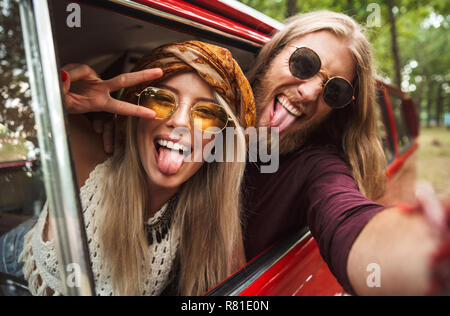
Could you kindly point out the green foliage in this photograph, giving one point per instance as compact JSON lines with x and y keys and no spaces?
{"x":433,"y":157}
{"x":15,"y":98}
{"x":421,"y":44}
{"x":12,"y":148}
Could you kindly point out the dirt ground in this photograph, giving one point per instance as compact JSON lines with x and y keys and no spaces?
{"x":434,"y":159}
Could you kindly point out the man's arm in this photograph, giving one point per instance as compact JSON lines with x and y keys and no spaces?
{"x":371,"y":249}
{"x":401,"y":245}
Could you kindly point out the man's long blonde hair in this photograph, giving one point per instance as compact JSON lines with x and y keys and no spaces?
{"x":353,"y":129}
{"x":207,"y":217}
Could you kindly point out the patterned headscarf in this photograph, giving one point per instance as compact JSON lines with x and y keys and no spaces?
{"x":212,"y":63}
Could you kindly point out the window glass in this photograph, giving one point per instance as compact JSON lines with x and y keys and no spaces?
{"x":383,"y":127}
{"x":403,"y":133}
{"x":22,"y":190}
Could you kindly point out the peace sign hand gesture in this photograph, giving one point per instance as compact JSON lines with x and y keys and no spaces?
{"x":85,"y":92}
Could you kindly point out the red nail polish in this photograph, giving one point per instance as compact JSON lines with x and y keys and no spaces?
{"x":63,"y":75}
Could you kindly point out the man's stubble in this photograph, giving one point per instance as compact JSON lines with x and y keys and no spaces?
{"x":295,"y":137}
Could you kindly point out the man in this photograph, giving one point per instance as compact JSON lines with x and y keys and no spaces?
{"x":315,"y":82}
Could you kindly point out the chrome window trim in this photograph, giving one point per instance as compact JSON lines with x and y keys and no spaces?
{"x":168,"y":16}
{"x":255,"y":13}
{"x":255,"y":269}
{"x":60,"y":181}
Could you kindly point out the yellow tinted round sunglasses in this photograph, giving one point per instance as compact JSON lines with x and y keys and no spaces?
{"x":209,"y":117}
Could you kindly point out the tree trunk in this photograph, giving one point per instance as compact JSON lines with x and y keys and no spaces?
{"x":447,"y":102}
{"x":394,"y":43}
{"x":429,"y":101}
{"x":291,"y":8}
{"x":419,"y":96}
{"x":351,"y":8}
{"x":439,"y":106}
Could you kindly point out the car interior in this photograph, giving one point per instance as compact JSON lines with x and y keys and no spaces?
{"x":106,"y":40}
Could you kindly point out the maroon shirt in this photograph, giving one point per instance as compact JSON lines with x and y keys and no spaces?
{"x":313,"y":187}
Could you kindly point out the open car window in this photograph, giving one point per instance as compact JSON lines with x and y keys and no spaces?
{"x":113,"y":35}
{"x":111,"y":42}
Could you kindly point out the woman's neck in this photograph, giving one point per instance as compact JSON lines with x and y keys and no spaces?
{"x":157,"y":198}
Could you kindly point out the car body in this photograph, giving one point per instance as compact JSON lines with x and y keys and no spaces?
{"x":115,"y":33}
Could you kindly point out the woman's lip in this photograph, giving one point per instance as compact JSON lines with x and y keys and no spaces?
{"x":173,"y":140}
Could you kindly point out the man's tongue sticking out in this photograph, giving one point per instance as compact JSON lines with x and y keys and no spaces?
{"x":281,"y":117}
{"x":170,"y":161}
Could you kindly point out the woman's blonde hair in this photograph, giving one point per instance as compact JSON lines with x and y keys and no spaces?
{"x":207,"y":216}
{"x":353,"y":129}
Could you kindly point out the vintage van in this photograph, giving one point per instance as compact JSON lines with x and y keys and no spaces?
{"x":109,"y":35}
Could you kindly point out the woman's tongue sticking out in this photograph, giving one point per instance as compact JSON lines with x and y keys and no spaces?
{"x":170,"y":161}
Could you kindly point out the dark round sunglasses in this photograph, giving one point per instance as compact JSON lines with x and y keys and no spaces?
{"x":305,"y":63}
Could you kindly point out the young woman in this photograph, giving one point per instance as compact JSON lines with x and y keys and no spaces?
{"x":155,"y":206}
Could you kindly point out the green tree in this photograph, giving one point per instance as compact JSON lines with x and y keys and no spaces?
{"x":394,"y":42}
{"x":15,"y":97}
{"x":410,"y":44}
{"x":291,"y":8}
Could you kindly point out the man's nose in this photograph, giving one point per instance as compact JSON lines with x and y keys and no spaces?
{"x":181,"y":118}
{"x":310,"y":90}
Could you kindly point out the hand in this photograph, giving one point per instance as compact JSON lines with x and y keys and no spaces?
{"x":431,"y":207}
{"x":85,"y":92}
{"x":438,"y":216}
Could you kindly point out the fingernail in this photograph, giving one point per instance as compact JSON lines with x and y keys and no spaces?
{"x":149,"y":113}
{"x":161,"y":71}
{"x":63,"y":76}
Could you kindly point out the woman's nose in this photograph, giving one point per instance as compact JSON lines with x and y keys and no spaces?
{"x":181,"y":117}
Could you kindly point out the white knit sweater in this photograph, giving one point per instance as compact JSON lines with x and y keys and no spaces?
{"x":40,"y":258}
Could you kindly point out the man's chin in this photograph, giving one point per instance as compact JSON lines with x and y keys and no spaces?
{"x":297,"y":135}
{"x":292,"y":141}
{"x":287,"y":142}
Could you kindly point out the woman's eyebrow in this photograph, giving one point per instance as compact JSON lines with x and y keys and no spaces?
{"x":201,"y":99}
{"x":177,"y":92}
{"x":174,"y":90}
